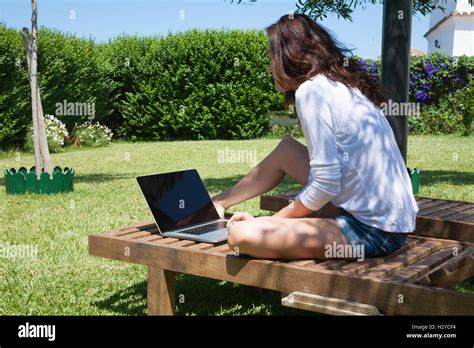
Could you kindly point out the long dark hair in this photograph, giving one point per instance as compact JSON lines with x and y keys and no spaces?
{"x":299,"y":49}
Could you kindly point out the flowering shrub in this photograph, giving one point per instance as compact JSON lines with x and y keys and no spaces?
{"x":431,"y":76}
{"x":453,"y":113}
{"x":56,"y":134}
{"x":436,"y":75}
{"x":91,"y":134}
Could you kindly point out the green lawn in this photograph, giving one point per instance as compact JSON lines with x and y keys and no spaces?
{"x":64,"y":280}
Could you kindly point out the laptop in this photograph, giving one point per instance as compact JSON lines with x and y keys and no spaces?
{"x":182,"y":207}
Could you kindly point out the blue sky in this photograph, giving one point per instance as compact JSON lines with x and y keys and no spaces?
{"x":105,"y":19}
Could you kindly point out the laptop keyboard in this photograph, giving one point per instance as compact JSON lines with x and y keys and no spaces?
{"x":218,"y":225}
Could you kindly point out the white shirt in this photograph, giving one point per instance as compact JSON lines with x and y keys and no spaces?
{"x":355,"y":162}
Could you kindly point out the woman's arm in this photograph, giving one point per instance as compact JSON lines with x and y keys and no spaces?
{"x":315,"y":105}
{"x":294,"y":210}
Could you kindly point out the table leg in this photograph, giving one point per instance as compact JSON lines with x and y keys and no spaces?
{"x":161,"y":291}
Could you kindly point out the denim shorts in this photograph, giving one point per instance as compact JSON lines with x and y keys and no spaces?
{"x":376,"y":242}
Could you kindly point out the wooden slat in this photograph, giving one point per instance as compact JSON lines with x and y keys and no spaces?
{"x":454,"y":270}
{"x":327,"y":305}
{"x":329,"y":265}
{"x":398,"y":262}
{"x":420,"y":268}
{"x":440,"y":208}
{"x":142,"y":225}
{"x":358,"y":267}
{"x":224,"y":248}
{"x":152,"y":238}
{"x":434,"y":203}
{"x":201,"y":246}
{"x":439,"y":228}
{"x":421,"y":300}
{"x":452,"y":211}
{"x":167,"y":240}
{"x":304,"y":263}
{"x":446,"y":242}
{"x":137,"y":235}
{"x":421,"y":201}
{"x":125,"y":232}
{"x":185,"y":243}
{"x":444,"y":199}
{"x":463,"y":216}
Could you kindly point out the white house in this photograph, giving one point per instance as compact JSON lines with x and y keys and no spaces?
{"x":452,"y":31}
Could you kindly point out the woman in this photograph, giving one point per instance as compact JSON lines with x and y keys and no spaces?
{"x":351,"y":159}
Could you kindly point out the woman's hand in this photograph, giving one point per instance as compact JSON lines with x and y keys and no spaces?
{"x":240,"y":216}
{"x":220,"y":209}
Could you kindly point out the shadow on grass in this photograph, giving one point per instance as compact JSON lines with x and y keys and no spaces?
{"x":431,"y":177}
{"x":101,"y":177}
{"x":203,"y":296}
{"x":126,"y":302}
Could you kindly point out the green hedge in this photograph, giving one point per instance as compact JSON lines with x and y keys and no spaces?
{"x":14,"y":89}
{"x":69,"y":68}
{"x":454,"y":113}
{"x":193,"y":85}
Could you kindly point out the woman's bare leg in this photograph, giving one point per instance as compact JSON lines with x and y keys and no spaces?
{"x":284,"y":238}
{"x":289,"y":157}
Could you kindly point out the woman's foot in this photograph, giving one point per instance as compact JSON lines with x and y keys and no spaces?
{"x":220,"y":209}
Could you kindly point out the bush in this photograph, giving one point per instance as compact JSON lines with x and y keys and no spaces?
{"x":462,"y":104}
{"x":56,"y":134}
{"x":15,"y":100}
{"x":283,"y":124}
{"x":453,"y":113}
{"x":69,"y":68}
{"x":91,"y":135}
{"x":194,"y":85}
{"x":432,"y":76}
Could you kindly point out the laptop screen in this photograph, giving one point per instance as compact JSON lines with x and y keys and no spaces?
{"x":177,"y":199}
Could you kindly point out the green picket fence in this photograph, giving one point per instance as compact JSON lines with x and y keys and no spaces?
{"x":22,"y":181}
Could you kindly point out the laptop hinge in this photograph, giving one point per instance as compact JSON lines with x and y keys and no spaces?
{"x":194,"y":226}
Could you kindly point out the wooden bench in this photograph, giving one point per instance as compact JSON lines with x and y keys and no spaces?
{"x":412,"y":280}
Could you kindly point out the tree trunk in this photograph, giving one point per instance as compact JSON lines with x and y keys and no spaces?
{"x":396,"y":38}
{"x":40,"y":138}
{"x":34,"y":103}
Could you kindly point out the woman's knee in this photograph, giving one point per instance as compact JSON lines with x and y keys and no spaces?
{"x":245,"y":234}
{"x":287,"y":141}
{"x":240,"y":235}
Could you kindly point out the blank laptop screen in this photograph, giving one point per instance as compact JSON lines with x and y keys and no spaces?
{"x":177,"y":199}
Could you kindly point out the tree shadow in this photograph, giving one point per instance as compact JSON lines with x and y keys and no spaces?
{"x":128,"y":301}
{"x":431,"y":177}
{"x":202,"y":296}
{"x":101,"y":177}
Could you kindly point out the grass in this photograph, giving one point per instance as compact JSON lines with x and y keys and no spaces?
{"x":64,"y":280}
